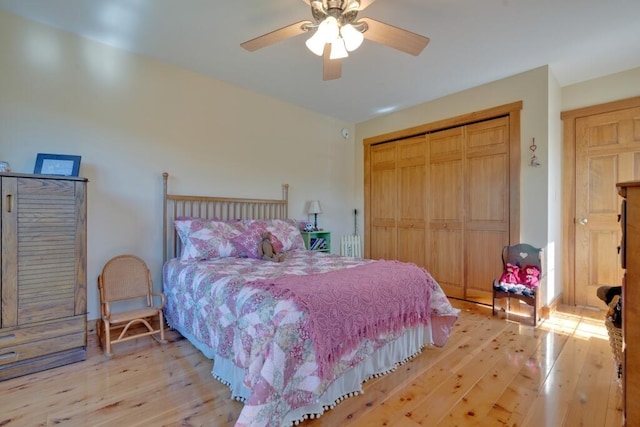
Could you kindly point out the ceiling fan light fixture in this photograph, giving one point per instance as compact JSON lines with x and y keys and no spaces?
{"x":351,"y":36}
{"x":327,"y":32}
{"x":335,"y":23}
{"x":328,"y":29}
{"x":338,"y":50}
{"x":315,"y":44}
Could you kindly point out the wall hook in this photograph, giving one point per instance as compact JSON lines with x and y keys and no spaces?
{"x":534,"y":159}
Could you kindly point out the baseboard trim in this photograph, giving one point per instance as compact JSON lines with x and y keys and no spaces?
{"x":547,"y":310}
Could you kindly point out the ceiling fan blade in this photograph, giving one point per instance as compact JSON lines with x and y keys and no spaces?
{"x":331,"y":68}
{"x":275,"y":36}
{"x":394,"y":37}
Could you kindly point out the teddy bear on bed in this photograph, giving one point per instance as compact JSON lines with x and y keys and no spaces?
{"x":266,"y":250}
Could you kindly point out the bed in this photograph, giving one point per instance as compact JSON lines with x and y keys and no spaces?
{"x":290,"y":339}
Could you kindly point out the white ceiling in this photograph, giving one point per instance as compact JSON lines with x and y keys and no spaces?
{"x":472,"y":42}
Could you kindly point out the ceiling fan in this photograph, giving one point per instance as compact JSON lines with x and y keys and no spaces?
{"x":337,"y":30}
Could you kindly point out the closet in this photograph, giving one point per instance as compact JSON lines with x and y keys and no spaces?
{"x":444,"y":199}
{"x":43,"y":273}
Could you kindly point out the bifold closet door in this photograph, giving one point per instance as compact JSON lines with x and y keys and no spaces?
{"x":486,"y":221}
{"x":384,"y":189}
{"x":398,"y":200}
{"x":445,"y":255}
{"x":468,"y":207}
{"x":441,"y":201}
{"x":411,"y":199}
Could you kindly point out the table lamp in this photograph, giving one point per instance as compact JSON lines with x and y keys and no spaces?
{"x":315,"y":209}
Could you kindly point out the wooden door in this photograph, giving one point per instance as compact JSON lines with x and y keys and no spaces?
{"x":486,"y":221}
{"x":607,"y":152}
{"x":468,"y":207}
{"x":384,"y":188}
{"x":445,"y":255}
{"x":411,"y":199}
{"x":458,"y":207}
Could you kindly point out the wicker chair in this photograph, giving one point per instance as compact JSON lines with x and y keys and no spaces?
{"x":128,"y":305}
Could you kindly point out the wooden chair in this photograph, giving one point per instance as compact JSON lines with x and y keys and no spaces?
{"x":521,"y":255}
{"x":128,"y":305}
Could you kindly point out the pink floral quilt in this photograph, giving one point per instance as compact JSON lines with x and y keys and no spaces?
{"x":213,"y":303}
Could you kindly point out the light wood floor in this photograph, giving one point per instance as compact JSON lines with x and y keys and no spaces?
{"x":492,"y":372}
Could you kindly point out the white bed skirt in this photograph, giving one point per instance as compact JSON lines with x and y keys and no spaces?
{"x":383,"y":360}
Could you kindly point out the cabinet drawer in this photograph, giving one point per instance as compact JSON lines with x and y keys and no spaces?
{"x":22,"y":352}
{"x":11,"y":337}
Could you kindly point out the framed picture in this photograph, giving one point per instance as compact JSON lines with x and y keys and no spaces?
{"x":57,"y":164}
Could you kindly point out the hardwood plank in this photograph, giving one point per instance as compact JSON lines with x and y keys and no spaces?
{"x":593,"y":381}
{"x":412,"y":397}
{"x":478,"y":401}
{"x":491,"y":372}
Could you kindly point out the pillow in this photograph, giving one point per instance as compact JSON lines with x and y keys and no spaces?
{"x":285,"y":231}
{"x":207,"y":239}
{"x":247,"y":243}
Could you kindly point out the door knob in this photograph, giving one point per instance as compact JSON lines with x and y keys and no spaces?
{"x":583,"y":221}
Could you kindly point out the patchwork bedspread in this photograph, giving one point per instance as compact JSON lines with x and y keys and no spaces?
{"x":217,"y":303}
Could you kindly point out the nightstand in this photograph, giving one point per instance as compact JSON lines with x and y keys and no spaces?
{"x":319,"y":241}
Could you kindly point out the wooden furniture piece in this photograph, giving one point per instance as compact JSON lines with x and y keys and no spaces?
{"x":319,"y":241}
{"x":521,"y":255}
{"x":630,"y":258}
{"x":444,"y":195}
{"x":43,"y":273}
{"x":126,"y":278}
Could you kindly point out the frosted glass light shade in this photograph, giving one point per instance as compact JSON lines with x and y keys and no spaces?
{"x":352,"y":37}
{"x":315,"y":44}
{"x":327,"y":32}
{"x":338,"y":50}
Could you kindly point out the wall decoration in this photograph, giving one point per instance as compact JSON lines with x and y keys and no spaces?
{"x":57,"y":164}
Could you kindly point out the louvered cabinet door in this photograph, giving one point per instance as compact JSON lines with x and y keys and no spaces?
{"x":43,"y":317}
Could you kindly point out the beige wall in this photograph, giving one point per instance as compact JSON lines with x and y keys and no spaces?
{"x":132,"y":118}
{"x":601,"y":90}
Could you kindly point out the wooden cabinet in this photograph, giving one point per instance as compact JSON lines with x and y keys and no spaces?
{"x":43,"y":273}
{"x":319,"y":241}
{"x":630,"y":250}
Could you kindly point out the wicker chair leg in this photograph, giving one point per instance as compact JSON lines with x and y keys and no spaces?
{"x":107,"y":339}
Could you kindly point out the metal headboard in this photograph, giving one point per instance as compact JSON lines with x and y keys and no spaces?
{"x":220,"y":208}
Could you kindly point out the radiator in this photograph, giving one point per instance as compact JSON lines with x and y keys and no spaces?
{"x":350,"y":246}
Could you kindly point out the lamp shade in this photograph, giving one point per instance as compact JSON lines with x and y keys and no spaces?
{"x":338,"y":50}
{"x":327,"y":32}
{"x":352,"y":37}
{"x":314,"y":207}
{"x":316,"y":44}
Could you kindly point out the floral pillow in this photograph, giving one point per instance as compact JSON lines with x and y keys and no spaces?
{"x":247,"y":243}
{"x":285,"y":231}
{"x":207,"y":239}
